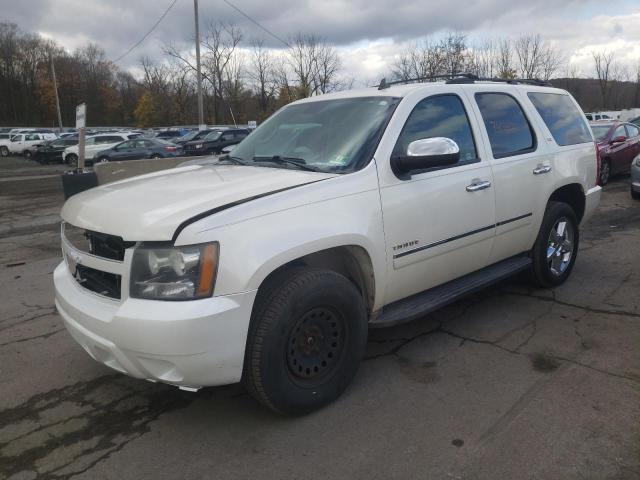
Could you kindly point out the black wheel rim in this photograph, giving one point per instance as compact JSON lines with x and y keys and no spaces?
{"x":316,"y":345}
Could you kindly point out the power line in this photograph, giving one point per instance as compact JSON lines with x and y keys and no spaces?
{"x":257,"y":23}
{"x":146,"y":34}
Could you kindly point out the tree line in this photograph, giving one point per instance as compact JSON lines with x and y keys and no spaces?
{"x":245,"y":80}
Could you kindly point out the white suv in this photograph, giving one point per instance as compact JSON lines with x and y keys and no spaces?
{"x":341,"y":212}
{"x":94,"y":144}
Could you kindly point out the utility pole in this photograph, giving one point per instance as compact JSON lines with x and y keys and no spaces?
{"x":198,"y":72}
{"x":55,"y":88}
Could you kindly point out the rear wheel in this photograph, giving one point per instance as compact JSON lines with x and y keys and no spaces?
{"x":605,"y":172}
{"x":4,"y":151}
{"x":556,"y":247}
{"x":307,"y":337}
{"x":27,"y":154}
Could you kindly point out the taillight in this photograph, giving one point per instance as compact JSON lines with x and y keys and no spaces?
{"x":171,"y":149}
{"x":598,"y":162}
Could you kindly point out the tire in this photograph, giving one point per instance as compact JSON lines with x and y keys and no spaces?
{"x":156,"y":157}
{"x":307,"y":337}
{"x":103,"y":160}
{"x":72,"y":160}
{"x":635,"y":195}
{"x":605,"y":172}
{"x":27,"y":154}
{"x":554,"y":254}
{"x":4,"y":151}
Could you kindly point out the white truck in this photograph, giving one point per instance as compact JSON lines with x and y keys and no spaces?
{"x":22,"y":143}
{"x":340,"y":213}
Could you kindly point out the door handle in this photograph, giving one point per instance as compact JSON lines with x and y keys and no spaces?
{"x":540,"y":169}
{"x":478,"y":185}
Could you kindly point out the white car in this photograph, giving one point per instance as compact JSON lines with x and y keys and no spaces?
{"x":94,"y":144}
{"x":21,"y":143}
{"x":341,"y":212}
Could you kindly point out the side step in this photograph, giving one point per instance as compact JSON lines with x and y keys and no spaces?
{"x":426,"y":302}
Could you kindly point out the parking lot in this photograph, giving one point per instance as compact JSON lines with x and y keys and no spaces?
{"x":510,"y":383}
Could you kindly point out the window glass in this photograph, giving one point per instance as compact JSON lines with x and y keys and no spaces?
{"x":124,"y":145}
{"x":508,"y":129}
{"x":17,"y":138}
{"x":564,"y":120}
{"x":632,"y":131}
{"x":439,"y":116}
{"x":619,"y":132}
{"x":32,"y":136}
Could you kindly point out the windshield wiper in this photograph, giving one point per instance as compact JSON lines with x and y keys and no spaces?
{"x":235,"y":160}
{"x":298,"y":162}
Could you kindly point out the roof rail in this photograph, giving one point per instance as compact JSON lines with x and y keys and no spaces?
{"x":464,"y":78}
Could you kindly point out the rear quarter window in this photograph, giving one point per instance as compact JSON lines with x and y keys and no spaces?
{"x":562,"y":117}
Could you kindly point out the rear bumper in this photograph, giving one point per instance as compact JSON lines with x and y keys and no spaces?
{"x":192,"y":344}
{"x":592,"y":200}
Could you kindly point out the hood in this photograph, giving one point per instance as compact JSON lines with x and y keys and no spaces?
{"x":151,"y":207}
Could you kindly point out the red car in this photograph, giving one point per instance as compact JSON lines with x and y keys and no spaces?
{"x":618,"y":143}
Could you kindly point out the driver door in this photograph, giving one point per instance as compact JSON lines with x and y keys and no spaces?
{"x":438,"y":224}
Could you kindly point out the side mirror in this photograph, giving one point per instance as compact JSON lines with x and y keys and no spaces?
{"x":619,"y":139}
{"x":426,"y":153}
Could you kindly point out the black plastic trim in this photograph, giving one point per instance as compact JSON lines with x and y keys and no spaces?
{"x":462,"y":235}
{"x":213,"y":211}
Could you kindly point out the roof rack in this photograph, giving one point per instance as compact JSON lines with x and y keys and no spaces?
{"x":464,"y":78}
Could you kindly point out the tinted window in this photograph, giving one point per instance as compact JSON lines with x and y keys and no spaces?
{"x":32,"y":136}
{"x":508,"y":129}
{"x":632,"y":131}
{"x":564,"y":120}
{"x":439,"y":116}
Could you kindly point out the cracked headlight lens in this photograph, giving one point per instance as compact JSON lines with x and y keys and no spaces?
{"x":174,"y":273}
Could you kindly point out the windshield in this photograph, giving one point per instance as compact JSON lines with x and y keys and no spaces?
{"x":190,"y":136}
{"x":600,"y":131}
{"x":331,"y":135}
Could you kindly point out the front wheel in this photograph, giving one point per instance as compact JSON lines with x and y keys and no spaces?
{"x":72,"y":160}
{"x":27,"y":154}
{"x":4,"y":151}
{"x":307,"y":337}
{"x":556,"y":247}
{"x":103,"y":160}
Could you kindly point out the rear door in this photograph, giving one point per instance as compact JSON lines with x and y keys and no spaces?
{"x":521,"y":167}
{"x":633,"y":132}
{"x":619,"y":151}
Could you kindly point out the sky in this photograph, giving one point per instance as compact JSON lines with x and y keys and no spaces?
{"x":369,"y":34}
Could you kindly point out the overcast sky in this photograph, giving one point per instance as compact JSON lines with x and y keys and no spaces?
{"x":368,"y":33}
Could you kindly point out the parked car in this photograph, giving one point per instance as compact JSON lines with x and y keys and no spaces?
{"x":139,"y":148}
{"x":20,"y":144}
{"x":340,"y":213}
{"x":94,"y":144}
{"x":215,"y":141}
{"x":52,"y":151}
{"x":635,"y":178}
{"x":618,"y":144}
{"x":597,"y":117}
{"x":192,"y":135}
{"x":168,"y":134}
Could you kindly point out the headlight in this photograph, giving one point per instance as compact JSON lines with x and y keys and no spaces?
{"x":174,"y":273}
{"x":198,"y":145}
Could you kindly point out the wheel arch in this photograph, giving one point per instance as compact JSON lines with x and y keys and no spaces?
{"x":352,"y":261}
{"x":573,"y":195}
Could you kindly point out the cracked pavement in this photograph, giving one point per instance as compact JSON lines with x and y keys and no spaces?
{"x":509,"y":383}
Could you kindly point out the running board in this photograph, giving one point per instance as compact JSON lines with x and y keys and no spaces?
{"x":422,"y":303}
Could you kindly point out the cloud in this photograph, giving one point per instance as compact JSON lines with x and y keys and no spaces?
{"x":369,"y":33}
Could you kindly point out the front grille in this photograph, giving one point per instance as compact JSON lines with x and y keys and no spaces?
{"x":102,"y":283}
{"x":98,"y":244}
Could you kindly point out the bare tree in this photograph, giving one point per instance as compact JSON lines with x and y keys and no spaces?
{"x":314,"y":65}
{"x":262,"y":73}
{"x":536,"y":58}
{"x":603,"y":62}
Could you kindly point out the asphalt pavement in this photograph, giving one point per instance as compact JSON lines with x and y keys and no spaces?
{"x":509,"y":383}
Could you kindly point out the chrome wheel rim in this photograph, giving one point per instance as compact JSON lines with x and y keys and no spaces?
{"x":560,"y":246}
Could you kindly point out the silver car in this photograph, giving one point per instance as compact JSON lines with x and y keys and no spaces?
{"x":635,"y":178}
